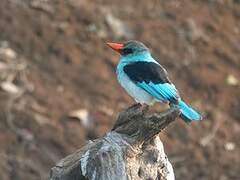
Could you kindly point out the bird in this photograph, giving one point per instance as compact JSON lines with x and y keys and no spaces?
{"x":146,"y":80}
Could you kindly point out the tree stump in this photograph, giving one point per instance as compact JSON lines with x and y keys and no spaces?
{"x":131,"y":150}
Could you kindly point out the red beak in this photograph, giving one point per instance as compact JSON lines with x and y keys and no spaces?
{"x":116,"y":46}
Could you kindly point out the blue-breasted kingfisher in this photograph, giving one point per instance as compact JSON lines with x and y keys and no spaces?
{"x":146,"y":80}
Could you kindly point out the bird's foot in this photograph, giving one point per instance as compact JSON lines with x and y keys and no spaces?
{"x":145,"y":106}
{"x":136,"y":105}
{"x":142,"y":106}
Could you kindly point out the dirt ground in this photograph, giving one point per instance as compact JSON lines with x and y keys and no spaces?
{"x":54,"y":62}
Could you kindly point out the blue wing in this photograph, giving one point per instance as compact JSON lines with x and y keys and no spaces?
{"x":163,"y":92}
{"x":153,"y":78}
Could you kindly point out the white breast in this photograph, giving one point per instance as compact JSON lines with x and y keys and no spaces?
{"x":140,"y":95}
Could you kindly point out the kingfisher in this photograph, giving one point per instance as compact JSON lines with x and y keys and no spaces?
{"x":146,"y":80}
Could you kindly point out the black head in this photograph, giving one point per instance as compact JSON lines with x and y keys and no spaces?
{"x":129,"y":47}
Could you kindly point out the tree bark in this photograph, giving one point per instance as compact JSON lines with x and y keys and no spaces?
{"x":131,"y":150}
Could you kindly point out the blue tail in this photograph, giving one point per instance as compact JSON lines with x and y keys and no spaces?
{"x":188,"y":114}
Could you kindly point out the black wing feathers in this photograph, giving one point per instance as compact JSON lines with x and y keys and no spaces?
{"x":146,"y":71}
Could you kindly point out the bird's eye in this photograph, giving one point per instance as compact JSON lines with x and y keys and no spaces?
{"x":127,"y":51}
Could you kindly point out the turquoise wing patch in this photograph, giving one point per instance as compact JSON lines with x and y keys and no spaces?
{"x":163,"y":92}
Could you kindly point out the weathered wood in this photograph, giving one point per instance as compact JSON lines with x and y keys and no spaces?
{"x":131,"y":150}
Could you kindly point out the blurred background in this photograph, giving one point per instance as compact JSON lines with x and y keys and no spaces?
{"x":58,"y":87}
